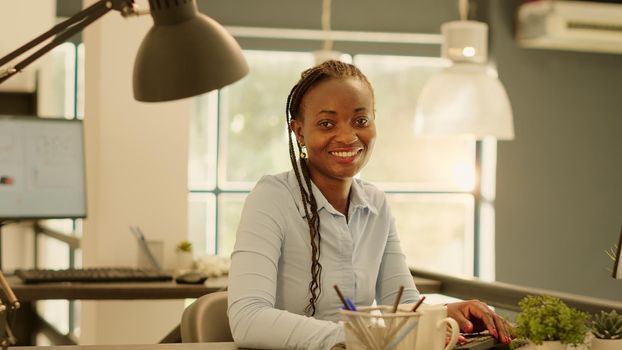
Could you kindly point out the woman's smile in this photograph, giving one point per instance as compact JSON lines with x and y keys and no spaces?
{"x":348,"y":156}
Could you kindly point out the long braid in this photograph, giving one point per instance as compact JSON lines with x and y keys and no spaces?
{"x":308,"y":79}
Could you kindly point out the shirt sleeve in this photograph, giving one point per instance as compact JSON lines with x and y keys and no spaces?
{"x":253,"y":319}
{"x":394,"y":271}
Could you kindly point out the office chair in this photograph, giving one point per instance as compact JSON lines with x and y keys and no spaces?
{"x":206,"y":320}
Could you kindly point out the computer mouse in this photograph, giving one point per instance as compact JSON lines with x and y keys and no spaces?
{"x":192,"y":277}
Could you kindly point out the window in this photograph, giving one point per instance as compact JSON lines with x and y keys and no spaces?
{"x":238,"y":134}
{"x":61,"y":95}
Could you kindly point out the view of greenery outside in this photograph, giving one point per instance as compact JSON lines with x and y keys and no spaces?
{"x":239,"y":135}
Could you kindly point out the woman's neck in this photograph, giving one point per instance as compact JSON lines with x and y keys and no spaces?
{"x":336,"y":192}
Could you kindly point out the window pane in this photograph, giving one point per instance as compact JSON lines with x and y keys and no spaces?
{"x":400,"y":159}
{"x":253,"y":134}
{"x":80,"y":81}
{"x":56,"y":83}
{"x":202,"y":145}
{"x":436,"y":230}
{"x":56,"y":313}
{"x":201,"y":223}
{"x":52,"y":254}
{"x":229,"y":210}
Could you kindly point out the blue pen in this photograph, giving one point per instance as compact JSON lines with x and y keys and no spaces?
{"x":350,"y":305}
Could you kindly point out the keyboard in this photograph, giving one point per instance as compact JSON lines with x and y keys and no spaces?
{"x":477,"y":342}
{"x":100,"y":274}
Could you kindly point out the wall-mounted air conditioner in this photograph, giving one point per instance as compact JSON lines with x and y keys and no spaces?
{"x":570,"y":25}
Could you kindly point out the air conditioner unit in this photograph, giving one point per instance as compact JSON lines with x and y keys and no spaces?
{"x":570,"y":25}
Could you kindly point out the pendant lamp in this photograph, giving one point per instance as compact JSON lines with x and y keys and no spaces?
{"x":466,"y":98}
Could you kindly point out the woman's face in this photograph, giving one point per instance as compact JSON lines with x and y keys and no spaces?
{"x":337,"y":127}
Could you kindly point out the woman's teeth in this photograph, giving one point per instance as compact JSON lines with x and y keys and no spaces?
{"x":344,"y":154}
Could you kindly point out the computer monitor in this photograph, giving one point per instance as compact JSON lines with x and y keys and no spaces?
{"x":42,"y":173}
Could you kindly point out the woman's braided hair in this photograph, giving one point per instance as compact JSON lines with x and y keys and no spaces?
{"x":308,"y":79}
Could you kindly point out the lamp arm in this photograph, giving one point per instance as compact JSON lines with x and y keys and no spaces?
{"x":8,"y":291}
{"x":7,"y":314}
{"x":62,"y":32}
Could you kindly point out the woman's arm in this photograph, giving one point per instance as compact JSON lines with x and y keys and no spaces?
{"x":253,"y":319}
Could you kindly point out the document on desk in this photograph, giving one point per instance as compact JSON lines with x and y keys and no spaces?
{"x":142,"y":243}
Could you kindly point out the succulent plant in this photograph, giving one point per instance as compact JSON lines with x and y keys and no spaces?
{"x":184,"y":246}
{"x":607,"y":325}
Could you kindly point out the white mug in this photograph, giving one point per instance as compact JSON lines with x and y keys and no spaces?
{"x":432,"y":328}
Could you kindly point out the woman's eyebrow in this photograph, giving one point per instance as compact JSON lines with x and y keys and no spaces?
{"x":330,"y":111}
{"x":327,"y":111}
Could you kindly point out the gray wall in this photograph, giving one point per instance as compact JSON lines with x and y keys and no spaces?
{"x":559,"y":183}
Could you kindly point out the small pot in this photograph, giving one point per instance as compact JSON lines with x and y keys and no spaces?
{"x":550,"y":345}
{"x":606,"y":344}
{"x":185,"y":261}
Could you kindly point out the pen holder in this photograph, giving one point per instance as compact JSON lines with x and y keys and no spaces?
{"x":157,"y":250}
{"x":378,"y":328}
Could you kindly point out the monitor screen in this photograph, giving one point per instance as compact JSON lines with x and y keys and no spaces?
{"x":41,"y":168}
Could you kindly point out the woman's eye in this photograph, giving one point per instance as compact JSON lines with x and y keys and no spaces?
{"x":362,"y":121}
{"x":325,"y":124}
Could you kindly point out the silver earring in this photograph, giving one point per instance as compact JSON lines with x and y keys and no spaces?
{"x":303,"y":152}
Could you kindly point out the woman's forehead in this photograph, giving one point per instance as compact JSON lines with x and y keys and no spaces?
{"x":335,"y":92}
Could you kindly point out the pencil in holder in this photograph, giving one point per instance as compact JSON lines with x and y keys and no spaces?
{"x":378,"y":328}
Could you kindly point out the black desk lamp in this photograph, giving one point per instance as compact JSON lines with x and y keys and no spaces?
{"x":184,"y":54}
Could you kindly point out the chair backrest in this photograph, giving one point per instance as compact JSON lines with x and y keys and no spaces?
{"x":206,"y":320}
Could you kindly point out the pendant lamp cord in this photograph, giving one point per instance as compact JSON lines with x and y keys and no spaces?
{"x":463,"y":7}
{"x":328,"y":42}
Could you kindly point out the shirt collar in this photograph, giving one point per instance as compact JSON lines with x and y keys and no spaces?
{"x":358,"y":197}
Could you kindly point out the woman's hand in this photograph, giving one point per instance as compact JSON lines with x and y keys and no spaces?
{"x":474,"y":316}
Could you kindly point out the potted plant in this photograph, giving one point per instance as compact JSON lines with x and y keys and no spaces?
{"x":548,"y":323}
{"x":607,"y":330}
{"x":184,"y":257}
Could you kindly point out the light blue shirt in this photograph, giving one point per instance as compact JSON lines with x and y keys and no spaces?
{"x":271,"y":262}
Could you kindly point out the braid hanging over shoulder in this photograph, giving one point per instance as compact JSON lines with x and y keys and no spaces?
{"x":309,"y":78}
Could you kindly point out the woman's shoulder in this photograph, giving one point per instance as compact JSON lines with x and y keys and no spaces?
{"x":277,"y":186}
{"x":372,"y":193}
{"x":273,"y":182}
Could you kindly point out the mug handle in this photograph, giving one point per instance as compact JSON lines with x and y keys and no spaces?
{"x":455,"y":330}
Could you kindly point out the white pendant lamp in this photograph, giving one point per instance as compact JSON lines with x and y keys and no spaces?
{"x":466,"y":98}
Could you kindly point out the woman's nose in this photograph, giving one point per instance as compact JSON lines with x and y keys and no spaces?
{"x":347,"y":135}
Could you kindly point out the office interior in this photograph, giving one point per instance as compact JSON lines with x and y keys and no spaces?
{"x":558,"y":204}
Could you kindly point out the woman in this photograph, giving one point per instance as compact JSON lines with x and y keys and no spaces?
{"x":305,"y":230}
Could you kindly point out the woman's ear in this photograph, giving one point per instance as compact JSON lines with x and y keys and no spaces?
{"x":296,"y":126}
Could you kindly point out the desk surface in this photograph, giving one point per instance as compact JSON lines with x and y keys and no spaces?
{"x":139,"y":290}
{"x":173,"y":346}
{"x":109,"y":291}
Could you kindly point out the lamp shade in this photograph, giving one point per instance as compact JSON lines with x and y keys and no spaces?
{"x":185,"y":54}
{"x":464,"y":99}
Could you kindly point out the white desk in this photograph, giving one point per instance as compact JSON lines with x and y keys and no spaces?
{"x":176,"y":346}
